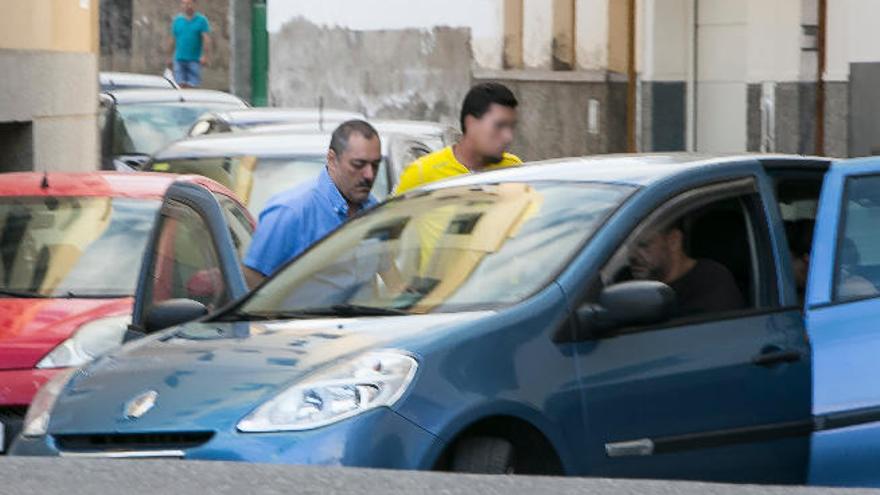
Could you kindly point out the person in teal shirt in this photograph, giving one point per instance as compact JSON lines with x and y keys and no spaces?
{"x":190,"y":45}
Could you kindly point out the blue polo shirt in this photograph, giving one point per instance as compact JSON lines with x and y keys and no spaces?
{"x":294,"y":220}
{"x":188,"y":36}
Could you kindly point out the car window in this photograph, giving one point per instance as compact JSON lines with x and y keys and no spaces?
{"x":454,"y":249}
{"x":144,"y":128}
{"x":708,"y":250}
{"x":240,"y":228}
{"x":69,"y":245}
{"x":186,"y":263}
{"x":857,"y":263}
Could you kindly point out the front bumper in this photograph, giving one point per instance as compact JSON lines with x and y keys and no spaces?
{"x":17,"y":390}
{"x":377,"y":439}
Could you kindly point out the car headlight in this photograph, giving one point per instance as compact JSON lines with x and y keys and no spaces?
{"x":372,"y":380}
{"x":90,"y":340}
{"x":36,"y":421}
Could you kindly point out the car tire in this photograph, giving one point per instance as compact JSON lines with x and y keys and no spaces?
{"x":483,"y":455}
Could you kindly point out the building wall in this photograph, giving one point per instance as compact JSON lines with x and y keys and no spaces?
{"x":48,"y":93}
{"x":420,"y":62}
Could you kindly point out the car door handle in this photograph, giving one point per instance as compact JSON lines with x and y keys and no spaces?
{"x":772,"y":355}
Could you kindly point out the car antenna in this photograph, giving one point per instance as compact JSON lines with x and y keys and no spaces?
{"x":321,"y":113}
{"x":44,"y":184}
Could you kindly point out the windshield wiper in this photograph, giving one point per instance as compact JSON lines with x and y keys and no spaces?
{"x":347,"y":310}
{"x":70,"y":294}
{"x":22,"y":294}
{"x":354,"y":310}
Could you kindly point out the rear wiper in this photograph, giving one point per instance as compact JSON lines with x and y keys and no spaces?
{"x":22,"y":294}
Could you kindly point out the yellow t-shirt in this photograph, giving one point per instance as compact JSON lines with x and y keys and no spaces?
{"x":442,"y":164}
{"x":435,"y":166}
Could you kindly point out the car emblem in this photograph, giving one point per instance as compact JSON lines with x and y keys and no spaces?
{"x":141,"y":404}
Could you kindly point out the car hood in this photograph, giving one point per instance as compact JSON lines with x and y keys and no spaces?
{"x":208,"y":376}
{"x":30,"y":328}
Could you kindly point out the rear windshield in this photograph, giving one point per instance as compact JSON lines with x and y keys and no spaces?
{"x":72,"y":246}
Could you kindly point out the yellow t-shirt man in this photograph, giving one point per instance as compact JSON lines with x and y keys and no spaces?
{"x":432,"y":167}
{"x":442,"y":164}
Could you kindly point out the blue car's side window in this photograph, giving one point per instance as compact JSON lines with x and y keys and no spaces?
{"x":713,"y":252}
{"x":857,"y":260}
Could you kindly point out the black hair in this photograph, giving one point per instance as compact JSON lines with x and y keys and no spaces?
{"x":800,"y":236}
{"x":482,"y":96}
{"x":339,"y":140}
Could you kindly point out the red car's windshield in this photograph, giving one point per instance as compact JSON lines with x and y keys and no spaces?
{"x":56,"y":246}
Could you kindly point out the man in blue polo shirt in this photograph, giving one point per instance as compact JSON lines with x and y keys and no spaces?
{"x":294,"y":220}
{"x":190,"y":45}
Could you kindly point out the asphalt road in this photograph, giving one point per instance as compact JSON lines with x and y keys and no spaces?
{"x":68,"y":476}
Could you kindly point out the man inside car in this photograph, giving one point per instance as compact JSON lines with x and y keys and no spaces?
{"x":701,"y":285}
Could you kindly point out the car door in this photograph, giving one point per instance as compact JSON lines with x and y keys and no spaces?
{"x":843,"y":321}
{"x":194,"y":253}
{"x":720,"y":395}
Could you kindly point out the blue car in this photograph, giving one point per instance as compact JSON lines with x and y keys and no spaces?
{"x":678,"y":316}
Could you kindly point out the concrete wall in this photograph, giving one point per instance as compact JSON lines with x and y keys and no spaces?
{"x":48,"y":93}
{"x":148,"y":30}
{"x":554,"y":112}
{"x":404,"y":73}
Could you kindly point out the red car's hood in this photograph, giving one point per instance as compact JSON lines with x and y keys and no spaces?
{"x":30,"y":328}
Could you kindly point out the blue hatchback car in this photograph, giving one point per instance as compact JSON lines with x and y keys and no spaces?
{"x":638,"y":316}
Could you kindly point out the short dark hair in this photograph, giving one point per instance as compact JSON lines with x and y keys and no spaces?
{"x":339,"y":140}
{"x":482,"y":96}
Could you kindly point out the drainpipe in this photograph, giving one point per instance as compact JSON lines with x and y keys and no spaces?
{"x":631,"y":96}
{"x":259,"y":55}
{"x":691,"y":83}
{"x":821,"y":53}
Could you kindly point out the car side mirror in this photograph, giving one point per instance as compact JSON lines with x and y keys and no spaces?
{"x":172,"y":312}
{"x":627,"y":304}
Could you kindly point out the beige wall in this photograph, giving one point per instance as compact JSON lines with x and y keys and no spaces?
{"x":618,"y":37}
{"x":50,"y":25}
{"x":49,"y":62}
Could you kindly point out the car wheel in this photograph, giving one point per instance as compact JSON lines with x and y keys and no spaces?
{"x":483,"y":455}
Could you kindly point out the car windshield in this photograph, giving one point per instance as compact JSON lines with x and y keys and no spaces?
{"x":453,"y":249}
{"x":144,"y":128}
{"x":256,"y":179}
{"x":56,"y":246}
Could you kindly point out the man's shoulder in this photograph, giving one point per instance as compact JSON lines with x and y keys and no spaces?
{"x":509,"y":160}
{"x":434,"y":158}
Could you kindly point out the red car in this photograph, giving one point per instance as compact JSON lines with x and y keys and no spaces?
{"x":70,"y":256}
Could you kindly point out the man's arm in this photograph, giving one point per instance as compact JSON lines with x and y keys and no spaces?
{"x":252,"y":277}
{"x":206,"y":49}
{"x":170,"y":50}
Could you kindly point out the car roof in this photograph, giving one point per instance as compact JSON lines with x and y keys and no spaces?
{"x":631,"y":169}
{"x":402,"y":127}
{"x":249,"y":144}
{"x":127,"y":96}
{"x":139,"y":185}
{"x":287,"y":115}
{"x":132,"y":80}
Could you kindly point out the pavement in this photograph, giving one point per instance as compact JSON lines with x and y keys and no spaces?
{"x":50,"y":476}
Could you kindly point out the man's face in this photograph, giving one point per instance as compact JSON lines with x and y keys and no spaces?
{"x":652,"y":254}
{"x":188,"y":6}
{"x":354,"y":171}
{"x":493,"y":132}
